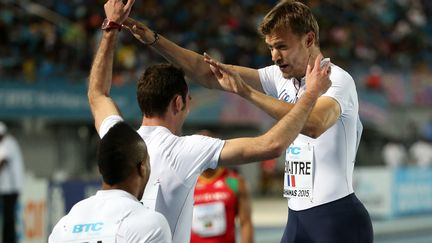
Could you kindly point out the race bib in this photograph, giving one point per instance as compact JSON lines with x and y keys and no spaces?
{"x":209,"y":219}
{"x":98,"y":232}
{"x":298,"y":178}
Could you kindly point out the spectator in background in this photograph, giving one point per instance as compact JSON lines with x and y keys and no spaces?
{"x":268,"y":174}
{"x":11,"y":182}
{"x":374,"y":79}
{"x":394,"y":153}
{"x":221,"y":196}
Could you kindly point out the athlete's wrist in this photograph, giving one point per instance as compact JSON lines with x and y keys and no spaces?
{"x":313,"y":94}
{"x":245,"y":91}
{"x":110,"y":35}
{"x":309,"y":97}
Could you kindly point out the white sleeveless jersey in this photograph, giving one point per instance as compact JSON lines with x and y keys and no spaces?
{"x":176,"y":163}
{"x":335,"y":150}
{"x":111,"y":216}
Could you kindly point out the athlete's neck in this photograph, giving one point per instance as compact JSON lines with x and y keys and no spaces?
{"x":131,"y":188}
{"x":170,"y":124}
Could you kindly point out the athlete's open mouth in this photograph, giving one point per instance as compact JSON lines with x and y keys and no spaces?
{"x":282,"y":67}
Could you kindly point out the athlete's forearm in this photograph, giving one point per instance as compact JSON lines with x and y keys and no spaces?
{"x":287,"y":129}
{"x":278,"y":109}
{"x":191,"y":62}
{"x":247,"y":233}
{"x":101,"y":70}
{"x":272,"y":106}
{"x":101,"y":104}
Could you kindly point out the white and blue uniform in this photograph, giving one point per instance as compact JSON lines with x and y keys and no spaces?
{"x":111,"y":216}
{"x":330,"y":161}
{"x":176,"y":163}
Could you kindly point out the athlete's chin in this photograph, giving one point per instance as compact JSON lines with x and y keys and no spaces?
{"x":287,"y":75}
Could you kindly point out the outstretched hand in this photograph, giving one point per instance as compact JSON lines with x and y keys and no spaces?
{"x":137,"y":29}
{"x":228,"y":78}
{"x":116,"y":11}
{"x":317,"y":78}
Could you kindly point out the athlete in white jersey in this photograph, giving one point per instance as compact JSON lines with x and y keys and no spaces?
{"x":115,"y":214}
{"x":333,"y":162}
{"x":320,"y":163}
{"x":177,"y":161}
{"x":111,"y":216}
{"x":176,"y":164}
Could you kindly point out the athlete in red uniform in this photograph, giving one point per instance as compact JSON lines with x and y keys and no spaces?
{"x":220,"y":196}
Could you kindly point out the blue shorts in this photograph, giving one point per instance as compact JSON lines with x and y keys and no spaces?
{"x":345,"y":220}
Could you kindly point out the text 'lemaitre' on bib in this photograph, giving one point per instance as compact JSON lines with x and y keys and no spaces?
{"x":298,"y":178}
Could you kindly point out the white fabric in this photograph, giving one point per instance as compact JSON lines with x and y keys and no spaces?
{"x":11,"y":173}
{"x":111,"y":216}
{"x":336,"y":148}
{"x":176,"y":162}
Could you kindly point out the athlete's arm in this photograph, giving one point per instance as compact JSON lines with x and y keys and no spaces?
{"x":101,"y":104}
{"x":244,"y":213}
{"x":276,"y":140}
{"x":191,"y":62}
{"x":324,"y":114}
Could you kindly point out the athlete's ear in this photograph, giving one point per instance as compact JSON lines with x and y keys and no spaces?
{"x":177,"y":104}
{"x":144,"y":170}
{"x":310,"y":39}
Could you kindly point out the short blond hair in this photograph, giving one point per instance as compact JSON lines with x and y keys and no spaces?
{"x":290,"y":14}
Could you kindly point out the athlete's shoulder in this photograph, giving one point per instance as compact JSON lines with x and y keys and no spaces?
{"x":145,"y":225}
{"x":82,"y":204}
{"x":145,"y":219}
{"x":338,"y":74}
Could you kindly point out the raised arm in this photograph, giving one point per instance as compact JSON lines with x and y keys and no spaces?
{"x":276,"y":140}
{"x":191,"y":62}
{"x":101,"y":104}
{"x":324,"y":114}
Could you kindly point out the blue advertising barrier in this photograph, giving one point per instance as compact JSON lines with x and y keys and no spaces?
{"x":388,"y":192}
{"x":412,"y":191}
{"x":66,"y":101}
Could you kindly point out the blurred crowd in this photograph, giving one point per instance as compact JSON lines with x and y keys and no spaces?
{"x":56,"y":38}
